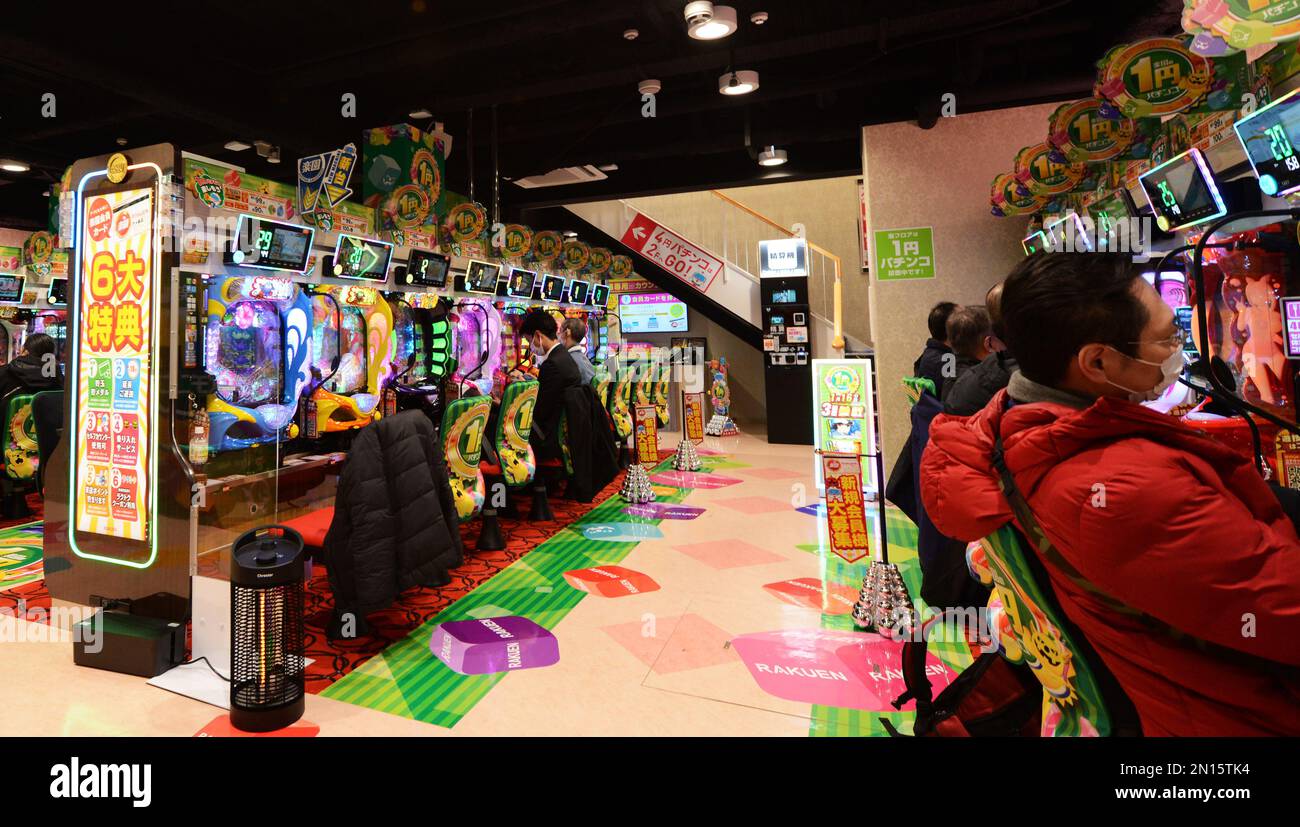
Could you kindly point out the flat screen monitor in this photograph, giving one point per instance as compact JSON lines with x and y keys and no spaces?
{"x":427,"y":269}
{"x":11,"y":288}
{"x":553,"y":288}
{"x":1269,"y":136}
{"x":58,"y":293}
{"x":521,"y":283}
{"x":482,"y":277}
{"x":1035,"y":243}
{"x":600,"y":295}
{"x":362,"y":258}
{"x":652,"y":313}
{"x":1182,"y":192}
{"x":271,"y":245}
{"x":579,"y":291}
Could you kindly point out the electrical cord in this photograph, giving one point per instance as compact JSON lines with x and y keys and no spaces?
{"x":204,"y":658}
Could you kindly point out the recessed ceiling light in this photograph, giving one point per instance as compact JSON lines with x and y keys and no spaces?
{"x":716,"y":26}
{"x":14,"y":166}
{"x":772,"y":157}
{"x":420,"y":114}
{"x":758,"y":18}
{"x":570,"y":234}
{"x":738,"y":83}
{"x":274,"y":156}
{"x":649,"y":86}
{"x":631,"y":34}
{"x":607,"y":167}
{"x":237,"y":146}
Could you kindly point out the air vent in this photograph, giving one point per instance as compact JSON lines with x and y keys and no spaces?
{"x":563,"y":177}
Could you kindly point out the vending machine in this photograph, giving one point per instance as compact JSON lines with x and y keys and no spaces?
{"x":787,"y":345}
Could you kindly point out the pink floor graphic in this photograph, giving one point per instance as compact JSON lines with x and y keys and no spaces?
{"x":688,"y":479}
{"x":854,"y":670}
{"x":610,"y":581}
{"x":729,"y":554}
{"x":674,"y":644}
{"x":812,"y":593}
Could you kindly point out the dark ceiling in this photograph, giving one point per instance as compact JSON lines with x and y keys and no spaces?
{"x":561,"y":76}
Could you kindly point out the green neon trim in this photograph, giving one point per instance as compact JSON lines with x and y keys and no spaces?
{"x":74,"y":414}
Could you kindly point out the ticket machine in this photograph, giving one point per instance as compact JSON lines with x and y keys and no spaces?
{"x":787,"y":344}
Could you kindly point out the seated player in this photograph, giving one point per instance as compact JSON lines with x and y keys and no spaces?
{"x":973,"y":390}
{"x":35,"y":369}
{"x":556,"y":374}
{"x":969,"y":331}
{"x":1147,"y":510}
{"x":571,"y":335}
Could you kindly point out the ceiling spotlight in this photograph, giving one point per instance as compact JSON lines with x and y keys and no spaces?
{"x":631,"y":34}
{"x":758,"y":18}
{"x":608,"y":167}
{"x":263,"y":148}
{"x":650,"y":86}
{"x":738,"y":83}
{"x":719,"y":24}
{"x":772,"y":157}
{"x":420,"y":114}
{"x":237,"y":146}
{"x":570,"y":234}
{"x":274,"y":156}
{"x":14,"y":166}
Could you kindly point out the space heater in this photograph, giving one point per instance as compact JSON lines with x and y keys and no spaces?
{"x":266,"y":629}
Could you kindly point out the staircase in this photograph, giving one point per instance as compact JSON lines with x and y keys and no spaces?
{"x":728,"y":231}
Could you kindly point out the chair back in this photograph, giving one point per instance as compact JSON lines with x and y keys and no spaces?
{"x":463,"y":426}
{"x":21,"y":453}
{"x":514,"y":424}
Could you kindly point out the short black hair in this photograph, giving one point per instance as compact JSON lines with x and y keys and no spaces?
{"x":577,"y":330}
{"x":39,"y":344}
{"x":967,"y":327}
{"x":939,"y":319}
{"x":538,"y":320}
{"x":1054,"y":304}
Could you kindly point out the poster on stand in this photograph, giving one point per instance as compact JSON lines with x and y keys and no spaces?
{"x":693,"y":416}
{"x":846,"y":514}
{"x":112,"y":480}
{"x":647,"y":435}
{"x":844,"y":410}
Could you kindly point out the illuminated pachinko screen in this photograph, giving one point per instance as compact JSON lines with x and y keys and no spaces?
{"x":351,"y":374}
{"x":246,"y":342}
{"x":111,"y":482}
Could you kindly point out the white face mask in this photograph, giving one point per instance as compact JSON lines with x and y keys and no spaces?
{"x":539,"y":353}
{"x":1170,"y":369}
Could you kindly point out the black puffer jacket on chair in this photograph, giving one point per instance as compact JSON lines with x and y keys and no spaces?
{"x":394,"y":521}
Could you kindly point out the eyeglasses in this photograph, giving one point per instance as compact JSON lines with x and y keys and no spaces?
{"x":1175,"y":341}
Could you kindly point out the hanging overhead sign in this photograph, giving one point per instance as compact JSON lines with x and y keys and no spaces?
{"x":672,"y":253}
{"x":323,"y":181}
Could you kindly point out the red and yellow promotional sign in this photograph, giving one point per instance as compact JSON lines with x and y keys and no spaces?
{"x":112,"y":481}
{"x":846,"y":515}
{"x":647,"y":435}
{"x":693,"y":416}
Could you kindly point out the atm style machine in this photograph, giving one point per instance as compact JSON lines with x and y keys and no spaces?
{"x":787,"y":345}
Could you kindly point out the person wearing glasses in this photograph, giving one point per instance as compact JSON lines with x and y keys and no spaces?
{"x":1172,"y":558}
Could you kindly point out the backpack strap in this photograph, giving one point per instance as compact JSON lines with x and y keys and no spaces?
{"x":1037,"y":538}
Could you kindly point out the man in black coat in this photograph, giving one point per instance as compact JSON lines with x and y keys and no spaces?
{"x":977,"y":386}
{"x":557,"y":373}
{"x":930,"y":364}
{"x":969,"y":332}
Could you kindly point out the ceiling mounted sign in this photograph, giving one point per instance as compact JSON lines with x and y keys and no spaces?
{"x":1084,"y":133}
{"x":516,"y":241}
{"x":466,"y":221}
{"x":1010,"y":197}
{"x":576,"y":254}
{"x":1222,"y":26}
{"x":1153,"y":77}
{"x":1044,"y":176}
{"x":547,"y":245}
{"x":620,"y":267}
{"x":601,"y":261}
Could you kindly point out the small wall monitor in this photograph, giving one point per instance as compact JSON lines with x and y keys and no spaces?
{"x":1182,"y":192}
{"x":553,"y":288}
{"x":271,"y":245}
{"x":11,"y":288}
{"x":362,"y":258}
{"x":1106,"y":214}
{"x":482,"y":277}
{"x":1068,"y":233}
{"x":600,"y":295}
{"x":652,"y":313}
{"x":521,"y":283}
{"x":1035,"y":243}
{"x":1269,"y":136}
{"x":579,"y":291}
{"x":58,"y":293}
{"x":427,"y":269}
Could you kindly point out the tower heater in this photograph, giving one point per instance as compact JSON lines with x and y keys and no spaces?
{"x":266,"y":629}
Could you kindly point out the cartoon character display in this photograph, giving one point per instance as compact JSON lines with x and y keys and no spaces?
{"x":721,"y":424}
{"x":353,"y":328}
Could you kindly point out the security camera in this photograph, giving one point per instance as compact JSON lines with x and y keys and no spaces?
{"x":700,"y":11}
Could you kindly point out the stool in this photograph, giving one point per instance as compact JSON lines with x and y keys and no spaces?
{"x":313,"y":527}
{"x":489,"y":537}
{"x":541,"y":502}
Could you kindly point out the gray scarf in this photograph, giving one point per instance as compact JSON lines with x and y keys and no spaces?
{"x":1023,"y":389}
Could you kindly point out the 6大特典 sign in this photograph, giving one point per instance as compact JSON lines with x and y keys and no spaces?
{"x":672,"y":253}
{"x":112,"y":477}
{"x":904,"y":254}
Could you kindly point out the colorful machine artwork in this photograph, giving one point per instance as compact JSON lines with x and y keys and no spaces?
{"x":259,"y":346}
{"x":422,"y":344}
{"x":352,"y":326}
{"x":721,"y":423}
{"x":477,"y":345}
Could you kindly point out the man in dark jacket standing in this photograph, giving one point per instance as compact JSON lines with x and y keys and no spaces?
{"x":969,"y":331}
{"x":556,"y":374}
{"x":973,"y":389}
{"x":930,"y":364}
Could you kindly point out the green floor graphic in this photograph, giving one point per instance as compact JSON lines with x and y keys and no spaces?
{"x":407,"y":679}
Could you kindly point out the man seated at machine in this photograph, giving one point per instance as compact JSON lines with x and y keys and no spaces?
{"x":36,"y":369}
{"x":1167,"y":549}
{"x":556,"y":374}
{"x":572,"y":334}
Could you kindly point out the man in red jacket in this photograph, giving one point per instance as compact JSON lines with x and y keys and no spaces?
{"x":1146,"y":508}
